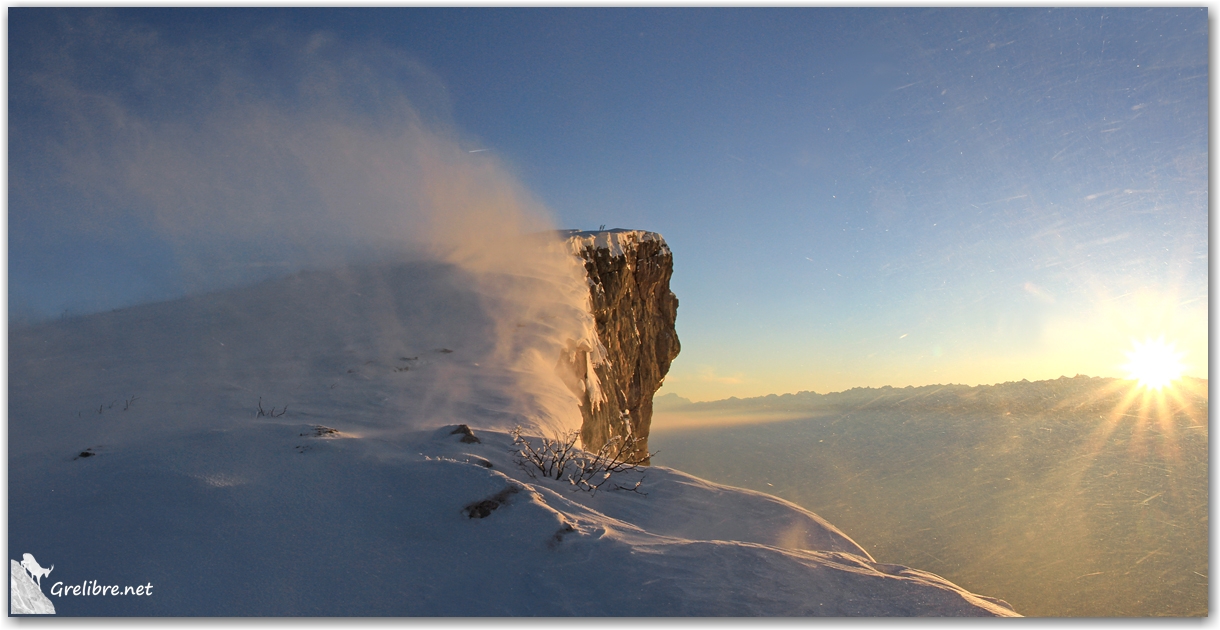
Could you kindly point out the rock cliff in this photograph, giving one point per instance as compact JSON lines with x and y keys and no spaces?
{"x":634,"y":311}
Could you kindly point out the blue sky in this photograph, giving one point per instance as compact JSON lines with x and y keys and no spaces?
{"x":854,"y":197}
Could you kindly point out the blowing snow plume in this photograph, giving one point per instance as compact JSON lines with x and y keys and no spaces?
{"x":152,"y":166}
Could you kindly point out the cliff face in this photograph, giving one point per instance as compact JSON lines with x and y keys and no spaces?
{"x":634,"y":311}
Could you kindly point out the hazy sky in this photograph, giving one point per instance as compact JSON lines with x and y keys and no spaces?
{"x":855,"y":197}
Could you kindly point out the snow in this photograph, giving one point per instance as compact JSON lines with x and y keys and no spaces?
{"x":137,"y":455}
{"x":616,"y":240}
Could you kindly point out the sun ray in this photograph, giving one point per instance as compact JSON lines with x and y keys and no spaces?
{"x":1154,"y":363}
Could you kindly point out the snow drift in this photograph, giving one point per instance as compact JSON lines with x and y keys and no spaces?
{"x":288,"y":448}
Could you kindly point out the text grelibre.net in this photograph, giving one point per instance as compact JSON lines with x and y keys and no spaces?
{"x":91,"y":588}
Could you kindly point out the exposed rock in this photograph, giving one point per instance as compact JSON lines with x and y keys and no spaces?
{"x":26,"y":598}
{"x":468,"y":436}
{"x":484,"y":508}
{"x":634,"y":310}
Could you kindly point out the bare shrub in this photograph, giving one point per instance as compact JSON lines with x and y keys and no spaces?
{"x":561,"y":459}
{"x":271,"y":413}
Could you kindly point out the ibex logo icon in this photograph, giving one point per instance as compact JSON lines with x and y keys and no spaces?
{"x":25,"y":582}
{"x":36,"y":572}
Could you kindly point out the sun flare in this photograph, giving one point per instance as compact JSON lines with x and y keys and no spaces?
{"x":1154,"y":363}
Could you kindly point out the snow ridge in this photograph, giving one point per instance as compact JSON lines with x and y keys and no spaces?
{"x":138,"y":454}
{"x":616,"y":240}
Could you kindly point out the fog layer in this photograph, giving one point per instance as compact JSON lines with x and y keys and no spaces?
{"x":1072,"y":497}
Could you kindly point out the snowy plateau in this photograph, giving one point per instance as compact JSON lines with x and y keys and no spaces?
{"x":294,"y":448}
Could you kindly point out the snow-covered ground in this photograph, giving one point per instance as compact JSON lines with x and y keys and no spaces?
{"x":289,"y":449}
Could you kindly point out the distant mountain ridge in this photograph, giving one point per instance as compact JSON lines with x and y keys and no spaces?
{"x":1078,"y":393}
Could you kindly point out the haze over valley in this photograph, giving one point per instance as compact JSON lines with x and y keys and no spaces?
{"x":1071,"y":497}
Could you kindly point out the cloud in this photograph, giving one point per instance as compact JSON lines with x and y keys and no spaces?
{"x":1038,"y":293}
{"x":707,"y":374}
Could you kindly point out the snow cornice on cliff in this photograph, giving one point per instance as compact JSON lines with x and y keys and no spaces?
{"x":616,"y":240}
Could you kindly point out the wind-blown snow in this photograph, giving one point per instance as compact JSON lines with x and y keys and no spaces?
{"x":137,"y":455}
{"x":615,"y":240}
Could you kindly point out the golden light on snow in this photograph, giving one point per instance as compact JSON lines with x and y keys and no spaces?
{"x":1154,"y":363}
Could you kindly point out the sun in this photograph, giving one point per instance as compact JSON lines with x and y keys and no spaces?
{"x":1154,"y":363}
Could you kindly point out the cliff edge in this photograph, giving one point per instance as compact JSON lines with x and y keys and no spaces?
{"x":634,"y":311}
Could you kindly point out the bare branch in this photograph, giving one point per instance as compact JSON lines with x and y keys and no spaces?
{"x":561,"y":459}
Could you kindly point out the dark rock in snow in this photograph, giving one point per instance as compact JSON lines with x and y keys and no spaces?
{"x":484,"y":508}
{"x":468,"y":436}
